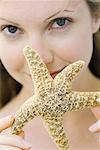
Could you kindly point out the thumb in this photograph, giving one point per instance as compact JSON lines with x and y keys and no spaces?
{"x":96,"y":126}
{"x":6,"y":122}
{"x":96,"y":112}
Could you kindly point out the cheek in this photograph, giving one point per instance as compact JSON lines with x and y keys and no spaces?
{"x":74,"y":48}
{"x":12,"y":57}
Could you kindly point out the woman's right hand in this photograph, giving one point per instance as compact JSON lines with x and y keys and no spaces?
{"x":11,"y":142}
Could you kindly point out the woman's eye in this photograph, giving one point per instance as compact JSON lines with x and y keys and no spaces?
{"x":60,"y":23}
{"x":10,"y":30}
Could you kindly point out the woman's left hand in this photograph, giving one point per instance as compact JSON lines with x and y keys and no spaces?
{"x":96,"y":126}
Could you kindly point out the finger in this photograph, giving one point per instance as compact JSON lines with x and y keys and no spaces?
{"x":3,"y":147}
{"x":14,"y":140}
{"x":6,"y":122}
{"x":95,"y":127}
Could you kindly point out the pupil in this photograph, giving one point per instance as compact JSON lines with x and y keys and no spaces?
{"x":60,"y":22}
{"x":12,"y":29}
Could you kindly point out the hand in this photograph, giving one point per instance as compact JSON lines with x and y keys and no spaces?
{"x":96,"y":126}
{"x":11,"y":142}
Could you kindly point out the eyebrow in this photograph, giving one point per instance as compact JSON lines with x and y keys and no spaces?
{"x":59,"y":12}
{"x":16,"y":24}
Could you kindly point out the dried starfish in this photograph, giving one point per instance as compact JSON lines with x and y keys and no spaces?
{"x":52,"y":98}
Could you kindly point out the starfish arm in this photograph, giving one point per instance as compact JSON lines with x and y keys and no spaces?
{"x":40,"y":74}
{"x":55,"y":129}
{"x":82,"y":100}
{"x":69,"y":72}
{"x":63,"y":80}
{"x":26,"y":112}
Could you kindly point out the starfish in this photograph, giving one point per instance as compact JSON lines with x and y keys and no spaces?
{"x":52,"y":98}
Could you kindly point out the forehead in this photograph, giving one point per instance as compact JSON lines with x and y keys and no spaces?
{"x":35,"y":8}
{"x":36,"y":4}
{"x":73,"y":3}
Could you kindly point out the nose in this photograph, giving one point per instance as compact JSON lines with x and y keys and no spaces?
{"x":38,"y":43}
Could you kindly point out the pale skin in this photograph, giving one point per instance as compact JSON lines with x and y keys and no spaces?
{"x":54,"y":44}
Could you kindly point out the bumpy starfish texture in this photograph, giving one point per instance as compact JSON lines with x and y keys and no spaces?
{"x":52,"y":98}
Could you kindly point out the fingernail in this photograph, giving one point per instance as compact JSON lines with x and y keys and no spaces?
{"x":6,"y":118}
{"x":9,"y":117}
{"x":28,"y":145}
{"x":92,"y":128}
{"x":98,"y":100}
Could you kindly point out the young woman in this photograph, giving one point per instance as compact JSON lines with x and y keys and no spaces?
{"x":62,"y":32}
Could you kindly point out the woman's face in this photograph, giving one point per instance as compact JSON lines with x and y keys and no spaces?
{"x":60,"y":37}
